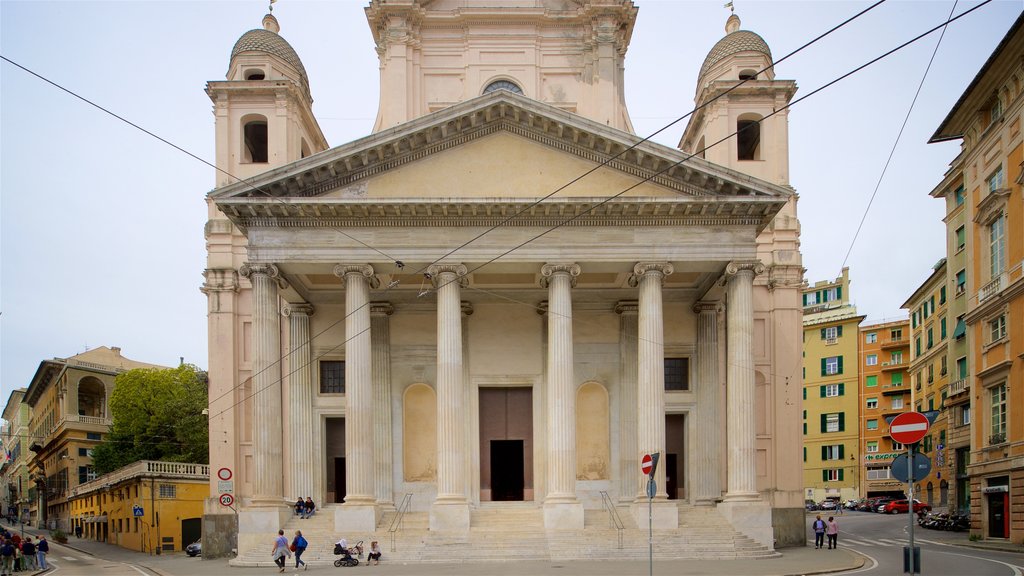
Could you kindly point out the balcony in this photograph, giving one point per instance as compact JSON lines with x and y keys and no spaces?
{"x":145,"y":469}
{"x":831,"y":341}
{"x":890,"y":389}
{"x":898,"y":364}
{"x":958,"y":387}
{"x":895,"y":343}
{"x":1000,"y":282}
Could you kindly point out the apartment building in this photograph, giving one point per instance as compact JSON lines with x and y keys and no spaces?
{"x":929,"y":373}
{"x":985,"y":231}
{"x":18,"y":491}
{"x":830,"y":395}
{"x":884,"y":392}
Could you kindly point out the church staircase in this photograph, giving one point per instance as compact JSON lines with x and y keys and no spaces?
{"x":505,"y":532}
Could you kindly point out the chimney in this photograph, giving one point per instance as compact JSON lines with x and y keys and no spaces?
{"x":116,"y":350}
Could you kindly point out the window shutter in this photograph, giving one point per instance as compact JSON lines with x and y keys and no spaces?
{"x":822,"y":366}
{"x":824,"y":452}
{"x":822,"y":333}
{"x":840,"y":474}
{"x":839,"y":292}
{"x":821,"y":389}
{"x":824,"y":422}
{"x":840,"y":365}
{"x":805,"y":299}
{"x":805,"y":453}
{"x":805,"y":393}
{"x":841,"y":447}
{"x":839,"y":331}
{"x":824,"y":475}
{"x":842,"y":388}
{"x":842,"y":418}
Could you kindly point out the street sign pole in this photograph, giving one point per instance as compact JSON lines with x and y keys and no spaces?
{"x":911,"y":557}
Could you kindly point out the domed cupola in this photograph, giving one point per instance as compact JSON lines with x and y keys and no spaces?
{"x":739,"y":54}
{"x":263,"y":42}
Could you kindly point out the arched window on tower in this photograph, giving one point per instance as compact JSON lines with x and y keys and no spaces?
{"x":254,"y":139}
{"x":254,"y":74}
{"x":748,"y":137}
{"x":748,"y":75}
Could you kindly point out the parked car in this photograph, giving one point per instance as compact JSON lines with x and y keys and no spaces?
{"x":880,"y":504}
{"x":827,"y":505}
{"x":810,"y":505}
{"x":851,"y":504}
{"x":901,"y":506}
{"x":194,"y":549}
{"x":867,"y":505}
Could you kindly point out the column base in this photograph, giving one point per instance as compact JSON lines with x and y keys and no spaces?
{"x":350,"y":518}
{"x":449,"y":517}
{"x":663,"y":514}
{"x":563,"y":515}
{"x":750,"y":518}
{"x":256,"y":526}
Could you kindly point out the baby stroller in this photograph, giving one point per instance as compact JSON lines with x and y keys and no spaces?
{"x":346,"y":555}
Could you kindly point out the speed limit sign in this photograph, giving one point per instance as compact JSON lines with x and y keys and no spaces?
{"x":227,"y":499}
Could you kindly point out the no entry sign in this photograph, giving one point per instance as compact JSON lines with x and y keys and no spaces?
{"x":909,"y":427}
{"x":647,"y":464}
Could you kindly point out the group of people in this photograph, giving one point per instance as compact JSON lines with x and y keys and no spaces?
{"x":821,"y":529}
{"x":283,"y":550}
{"x":304,"y":508}
{"x":17,"y":554}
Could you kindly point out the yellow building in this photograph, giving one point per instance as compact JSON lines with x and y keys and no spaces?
{"x":15,"y":456}
{"x":68,"y":399}
{"x":146,"y":506}
{"x":884,"y":392}
{"x":930,"y":332}
{"x":985,"y":219}
{"x":831,"y":398}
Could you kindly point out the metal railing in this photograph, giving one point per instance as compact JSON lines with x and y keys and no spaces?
{"x":613,"y":516}
{"x":958,"y":387}
{"x":396,"y":522}
{"x":1000,"y":282}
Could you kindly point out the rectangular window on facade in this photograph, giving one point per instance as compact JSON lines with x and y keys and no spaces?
{"x":831,"y":365}
{"x":997,"y":403}
{"x":872,"y":403}
{"x":832,"y":475}
{"x":168,"y":491}
{"x":872,"y":424}
{"x":830,"y":333}
{"x":931,"y":339}
{"x":961,"y":238}
{"x":897,"y":402}
{"x":917,"y":346}
{"x":872,"y":447}
{"x":871,"y":359}
{"x":871,"y":337}
{"x":832,"y":422}
{"x":942,"y":330}
{"x":931,"y":372}
{"x":961,"y":282}
{"x":871,"y":381}
{"x":997,"y":180}
{"x":332,"y":377}
{"x":942,"y":295}
{"x":810,"y":298}
{"x":879,"y":473}
{"x":93,"y":436}
{"x":965,"y":415}
{"x":896,"y":335}
{"x":896,"y":446}
{"x":961,"y":368}
{"x":958,"y":195}
{"x":997,"y":328}
{"x":896,"y":379}
{"x":997,"y":246}
{"x":677,"y":374}
{"x":832,"y":452}
{"x":944,"y":368}
{"x":831,"y":390}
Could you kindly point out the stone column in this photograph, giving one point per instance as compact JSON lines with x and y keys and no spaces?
{"x":561,"y":508}
{"x":450,"y":511}
{"x":742,"y":476}
{"x":708,"y":487}
{"x":629,"y":464}
{"x":358,"y":512}
{"x":467,"y":385}
{"x":268,"y":429}
{"x":305,"y":464}
{"x":380,"y":336}
{"x":651,"y":386}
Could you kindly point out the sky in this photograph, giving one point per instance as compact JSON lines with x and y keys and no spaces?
{"x":101,"y":225}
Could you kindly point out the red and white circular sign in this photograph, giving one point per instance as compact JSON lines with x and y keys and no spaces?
{"x":227,"y":499}
{"x":908,"y":427}
{"x":646,"y":464}
{"x":224,"y":473}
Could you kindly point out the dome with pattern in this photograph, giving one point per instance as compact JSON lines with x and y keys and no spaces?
{"x":268,"y":41}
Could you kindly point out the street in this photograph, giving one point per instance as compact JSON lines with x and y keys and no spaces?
{"x":881,"y":537}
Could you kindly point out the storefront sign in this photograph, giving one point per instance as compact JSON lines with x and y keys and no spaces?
{"x":995,"y":489}
{"x":881,"y":457}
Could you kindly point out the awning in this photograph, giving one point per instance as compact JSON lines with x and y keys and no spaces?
{"x":960,"y":330}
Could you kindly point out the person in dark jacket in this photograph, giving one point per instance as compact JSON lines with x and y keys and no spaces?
{"x":42,"y":549}
{"x":28,"y":554}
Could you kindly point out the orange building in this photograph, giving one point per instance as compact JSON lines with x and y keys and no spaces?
{"x":884,"y":391}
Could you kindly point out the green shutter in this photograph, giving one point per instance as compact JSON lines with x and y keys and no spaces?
{"x":824,"y":424}
{"x":839,"y":292}
{"x":822,"y":366}
{"x":842,"y":389}
{"x":805,"y":393}
{"x":824,"y":452}
{"x":821,"y":391}
{"x":805,"y":453}
{"x":822,"y":333}
{"x":805,"y":299}
{"x":871,"y":381}
{"x":841,"y":447}
{"x":942,"y":329}
{"x":805,"y":428}
{"x":840,"y":365}
{"x":842,"y":419}
{"x":824,"y":475}
{"x":839,"y":331}
{"x":840,"y":474}
{"x":821,"y":296}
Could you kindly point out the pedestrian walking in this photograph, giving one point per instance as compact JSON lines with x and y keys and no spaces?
{"x":280,"y":553}
{"x":28,"y":553}
{"x":832,"y":531}
{"x":42,"y":549}
{"x":299,"y":545}
{"x":819,"y":533}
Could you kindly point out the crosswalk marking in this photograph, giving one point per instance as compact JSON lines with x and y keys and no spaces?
{"x":69,"y":558}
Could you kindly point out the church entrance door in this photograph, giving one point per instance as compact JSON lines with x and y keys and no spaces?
{"x":506,"y":444}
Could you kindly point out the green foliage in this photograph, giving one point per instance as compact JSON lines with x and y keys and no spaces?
{"x":157,"y":415}
{"x":59,"y":535}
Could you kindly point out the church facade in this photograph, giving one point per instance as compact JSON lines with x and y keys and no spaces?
{"x":503,"y":296}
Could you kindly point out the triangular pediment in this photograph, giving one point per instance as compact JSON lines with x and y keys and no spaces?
{"x":494,"y":152}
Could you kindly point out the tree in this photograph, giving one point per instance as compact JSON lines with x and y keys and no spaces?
{"x":156,"y":415}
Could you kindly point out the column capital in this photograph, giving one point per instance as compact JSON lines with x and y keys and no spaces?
{"x":549,"y":270}
{"x":297,"y":309}
{"x":381,"y":309}
{"x":642,"y":269}
{"x":342,"y":270}
{"x":627,"y":307}
{"x":252,"y":268}
{"x":459,"y":270}
{"x":706,"y":306}
{"x":736,"y":266}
